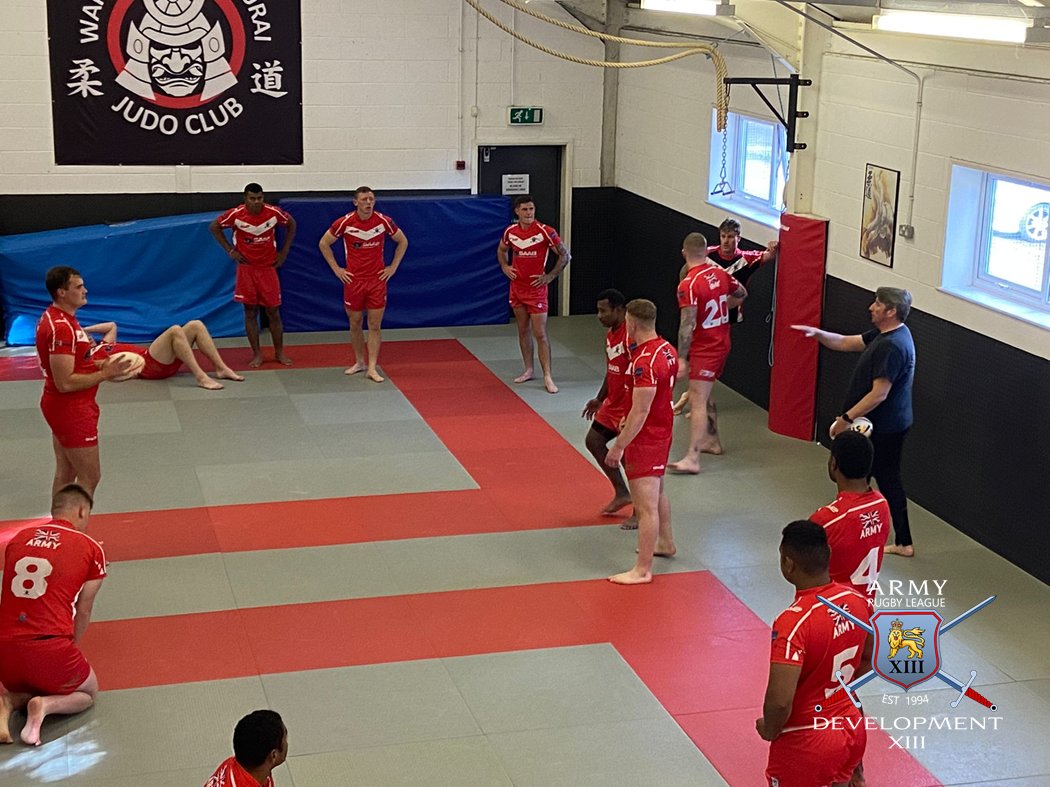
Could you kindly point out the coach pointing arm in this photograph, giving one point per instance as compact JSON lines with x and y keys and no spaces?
{"x":880,"y":386}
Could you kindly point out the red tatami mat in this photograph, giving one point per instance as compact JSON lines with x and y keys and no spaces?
{"x":701,"y":652}
{"x":500,"y":441}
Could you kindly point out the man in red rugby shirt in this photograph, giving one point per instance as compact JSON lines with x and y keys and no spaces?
{"x":71,"y":380}
{"x":811,"y":645}
{"x":522,"y":254}
{"x":260,"y":744}
{"x":608,"y":409}
{"x":364,"y":232}
{"x":705,"y":296}
{"x":254,"y":249}
{"x":168,"y":352}
{"x":644,"y":442}
{"x":52,"y":574}
{"x":857,"y":522}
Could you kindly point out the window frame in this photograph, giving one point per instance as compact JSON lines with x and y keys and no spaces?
{"x":740,"y":201}
{"x":968,"y":238}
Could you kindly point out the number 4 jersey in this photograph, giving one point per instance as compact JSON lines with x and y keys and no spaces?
{"x":45,"y":567}
{"x":857,"y":524}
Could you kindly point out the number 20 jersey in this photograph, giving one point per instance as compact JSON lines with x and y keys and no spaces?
{"x":708,"y":287}
{"x":45,"y":566}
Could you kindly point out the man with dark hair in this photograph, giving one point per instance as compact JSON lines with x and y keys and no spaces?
{"x":738,"y":263}
{"x":522,"y":254}
{"x":811,"y":646}
{"x":364,"y":231}
{"x":71,"y":381}
{"x":254,"y":249}
{"x":856,"y":522}
{"x":705,"y":296}
{"x":609,"y":407}
{"x":52,"y":574}
{"x":260,"y":744}
{"x":880,"y":390}
{"x":644,"y":442}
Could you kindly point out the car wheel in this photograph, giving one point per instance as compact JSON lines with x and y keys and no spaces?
{"x":1036,"y":222}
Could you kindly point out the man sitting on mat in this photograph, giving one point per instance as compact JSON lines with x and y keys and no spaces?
{"x":169,"y":351}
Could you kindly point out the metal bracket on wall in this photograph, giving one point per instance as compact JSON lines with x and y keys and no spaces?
{"x":793,"y":83}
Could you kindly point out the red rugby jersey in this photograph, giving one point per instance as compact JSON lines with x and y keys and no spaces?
{"x":255,"y":236}
{"x":857,"y":525}
{"x":232,"y":774}
{"x":363,"y":240}
{"x":617,"y":374}
{"x":59,"y":333}
{"x":654,"y":364}
{"x":821,"y":642}
{"x":708,"y":287}
{"x":529,"y":247}
{"x":45,"y":566}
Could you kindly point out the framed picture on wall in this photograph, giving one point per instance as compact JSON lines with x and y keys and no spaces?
{"x":878,"y":221}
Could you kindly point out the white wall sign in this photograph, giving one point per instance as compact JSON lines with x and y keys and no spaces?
{"x":516,"y":184}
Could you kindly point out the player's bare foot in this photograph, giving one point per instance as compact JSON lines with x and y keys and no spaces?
{"x":357,"y":367}
{"x":5,"y":719}
{"x":631,"y":523}
{"x":35,"y":711}
{"x":374,"y":376}
{"x":229,"y":374}
{"x":524,"y":377}
{"x":548,"y":383}
{"x":897,"y":549}
{"x":255,"y":362}
{"x":631,"y":577}
{"x":283,"y":359}
{"x":614,"y":505}
{"x":209,"y":384}
{"x":685,"y":467}
{"x":715,"y":449}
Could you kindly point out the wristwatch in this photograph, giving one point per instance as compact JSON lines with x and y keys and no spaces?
{"x":845,"y":417}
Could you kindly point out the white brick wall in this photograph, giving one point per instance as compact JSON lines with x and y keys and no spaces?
{"x":384,"y":87}
{"x":865,"y":115}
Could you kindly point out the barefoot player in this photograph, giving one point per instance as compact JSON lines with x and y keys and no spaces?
{"x":610,"y":406}
{"x":705,"y":296}
{"x":644,"y":442}
{"x":52,"y":574}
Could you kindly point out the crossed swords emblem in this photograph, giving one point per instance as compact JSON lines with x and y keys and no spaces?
{"x":964,"y":690}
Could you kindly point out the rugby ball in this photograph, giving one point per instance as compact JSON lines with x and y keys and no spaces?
{"x":137,"y":364}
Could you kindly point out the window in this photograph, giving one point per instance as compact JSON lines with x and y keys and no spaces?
{"x":996,"y":241}
{"x":748,"y":167}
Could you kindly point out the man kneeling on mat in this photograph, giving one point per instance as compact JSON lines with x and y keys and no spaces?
{"x":169,"y":351}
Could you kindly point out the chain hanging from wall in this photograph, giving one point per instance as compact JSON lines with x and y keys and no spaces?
{"x":711,"y":52}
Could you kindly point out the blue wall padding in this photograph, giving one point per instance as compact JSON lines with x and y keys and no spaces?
{"x":450,"y":275}
{"x":149,"y":274}
{"x":144,"y":275}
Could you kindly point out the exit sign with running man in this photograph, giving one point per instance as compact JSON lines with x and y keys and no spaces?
{"x":525,"y":116}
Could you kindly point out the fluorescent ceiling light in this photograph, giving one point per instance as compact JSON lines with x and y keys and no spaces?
{"x":979,"y":28}
{"x":702,"y":7}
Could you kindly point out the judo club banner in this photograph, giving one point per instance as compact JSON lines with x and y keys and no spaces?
{"x":176,"y":81}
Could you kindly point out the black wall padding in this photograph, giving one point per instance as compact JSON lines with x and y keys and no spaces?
{"x":977,"y":455}
{"x":628,"y":242}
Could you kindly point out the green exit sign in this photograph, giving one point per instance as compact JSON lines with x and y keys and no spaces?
{"x":525,"y":116}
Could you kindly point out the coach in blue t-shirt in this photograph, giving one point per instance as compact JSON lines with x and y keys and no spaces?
{"x":880,"y":390}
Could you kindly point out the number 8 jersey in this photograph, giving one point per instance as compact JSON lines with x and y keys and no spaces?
{"x":45,"y":566}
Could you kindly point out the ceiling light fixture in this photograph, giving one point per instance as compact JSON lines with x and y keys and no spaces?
{"x":968,"y":26}
{"x":701,"y":7}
